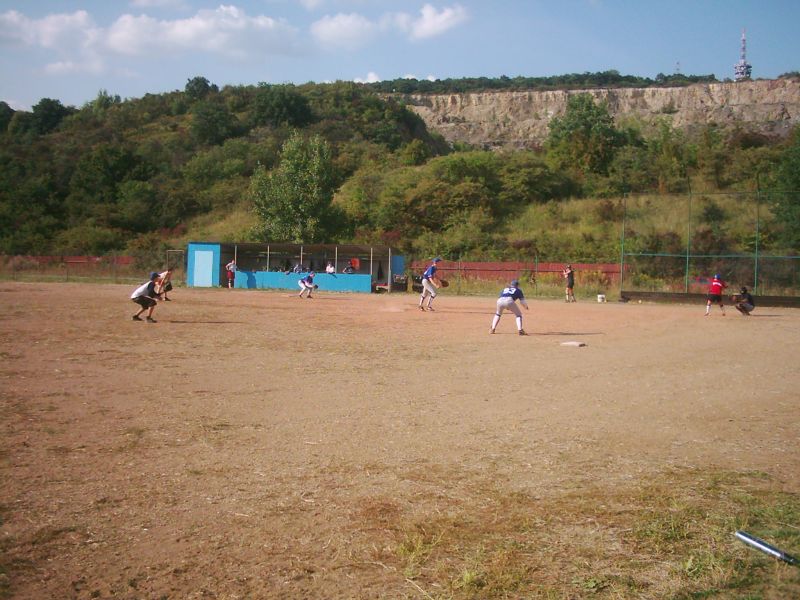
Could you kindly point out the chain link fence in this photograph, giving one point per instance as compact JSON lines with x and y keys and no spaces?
{"x":676,"y":244}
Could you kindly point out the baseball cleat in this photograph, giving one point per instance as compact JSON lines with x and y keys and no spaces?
{"x":522,"y":332}
{"x":422,"y":308}
{"x":491,"y":331}
{"x":136,"y":318}
{"x":151,"y":320}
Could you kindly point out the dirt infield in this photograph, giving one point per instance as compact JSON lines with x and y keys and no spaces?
{"x":255,"y":445}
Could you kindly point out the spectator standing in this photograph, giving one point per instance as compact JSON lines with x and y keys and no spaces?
{"x":569,"y":274}
{"x":231,"y":269}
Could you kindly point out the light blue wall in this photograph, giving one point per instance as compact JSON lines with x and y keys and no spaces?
{"x":203,"y":265}
{"x":327,"y":282}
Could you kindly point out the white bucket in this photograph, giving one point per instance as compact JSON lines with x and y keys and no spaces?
{"x":601,"y":298}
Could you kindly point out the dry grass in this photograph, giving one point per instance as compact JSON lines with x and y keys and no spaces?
{"x":670,"y":537}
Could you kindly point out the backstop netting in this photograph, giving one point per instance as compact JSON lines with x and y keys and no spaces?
{"x":678,"y":243}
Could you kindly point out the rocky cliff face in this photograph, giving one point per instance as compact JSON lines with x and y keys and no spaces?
{"x":520,"y":119}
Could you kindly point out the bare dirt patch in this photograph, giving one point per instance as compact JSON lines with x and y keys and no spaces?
{"x":255,"y":445}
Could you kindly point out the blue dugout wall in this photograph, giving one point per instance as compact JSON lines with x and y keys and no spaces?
{"x":327,"y":282}
{"x":264,"y":266}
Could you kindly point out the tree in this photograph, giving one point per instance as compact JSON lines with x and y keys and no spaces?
{"x":212,"y":123}
{"x":280,"y":105}
{"x":198,"y":88}
{"x":293,"y":202}
{"x":47,"y":115}
{"x":6,"y":112}
{"x":585,"y":138}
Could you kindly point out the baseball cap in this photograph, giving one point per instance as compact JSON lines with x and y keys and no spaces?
{"x":153,"y":275}
{"x":312,"y":273}
{"x":515,"y":282}
{"x":437,"y":259}
{"x":717,"y":276}
{"x":744,"y":290}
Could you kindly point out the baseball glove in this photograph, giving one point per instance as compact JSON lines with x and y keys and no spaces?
{"x":316,"y":287}
{"x":444,"y":282}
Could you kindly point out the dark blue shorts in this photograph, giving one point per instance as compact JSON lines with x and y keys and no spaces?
{"x":144,"y":301}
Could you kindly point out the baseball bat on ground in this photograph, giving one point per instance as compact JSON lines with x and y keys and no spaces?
{"x":766,"y":548}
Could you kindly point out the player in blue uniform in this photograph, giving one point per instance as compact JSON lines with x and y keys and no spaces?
{"x":430,"y":282}
{"x":508,"y":301}
{"x":307,"y":284}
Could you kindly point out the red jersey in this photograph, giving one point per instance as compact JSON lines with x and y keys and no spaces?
{"x":716,"y":287}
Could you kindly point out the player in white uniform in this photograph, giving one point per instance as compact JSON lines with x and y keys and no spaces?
{"x":508,"y":301}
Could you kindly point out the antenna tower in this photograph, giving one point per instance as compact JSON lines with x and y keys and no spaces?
{"x":742,"y":69}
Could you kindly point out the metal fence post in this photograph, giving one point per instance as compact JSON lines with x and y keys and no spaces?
{"x":622,"y":244}
{"x":688,"y":242}
{"x":758,"y":238}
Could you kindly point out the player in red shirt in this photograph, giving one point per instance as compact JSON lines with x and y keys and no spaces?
{"x":715,"y":290}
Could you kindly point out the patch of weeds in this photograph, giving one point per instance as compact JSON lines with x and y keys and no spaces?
{"x":416,"y":548}
{"x":592,"y":585}
{"x":667,"y":536}
{"x":5,"y":582}
{"x":48,"y":535}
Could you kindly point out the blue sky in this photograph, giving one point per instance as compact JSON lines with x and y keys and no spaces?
{"x":71,"y":49}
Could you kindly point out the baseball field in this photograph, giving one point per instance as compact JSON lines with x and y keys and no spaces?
{"x":251,"y":444}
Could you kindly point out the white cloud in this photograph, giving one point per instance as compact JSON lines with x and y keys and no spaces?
{"x":79,"y":45}
{"x":372,"y":77}
{"x":353,"y":31}
{"x":177,"y":4}
{"x":433,"y":22}
{"x":51,"y":32}
{"x":344,"y":31}
{"x":226,"y":30}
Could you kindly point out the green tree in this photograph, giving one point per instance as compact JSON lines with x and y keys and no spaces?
{"x":713,"y":154}
{"x":670,"y":158}
{"x":135,"y":206}
{"x":293,"y":202}
{"x":197,"y":88}
{"x":584,"y":138}
{"x":6,"y":112}
{"x":48,"y":114}
{"x":280,"y":105}
{"x":414,"y":153}
{"x":213,"y":123}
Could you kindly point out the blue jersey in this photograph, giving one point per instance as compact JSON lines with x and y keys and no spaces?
{"x":512,"y":292}
{"x":429,"y":272}
{"x":309,"y":279}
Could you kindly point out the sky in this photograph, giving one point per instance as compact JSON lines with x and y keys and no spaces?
{"x":69,"y":50}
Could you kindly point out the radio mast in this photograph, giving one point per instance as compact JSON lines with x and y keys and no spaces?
{"x":742,"y":69}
